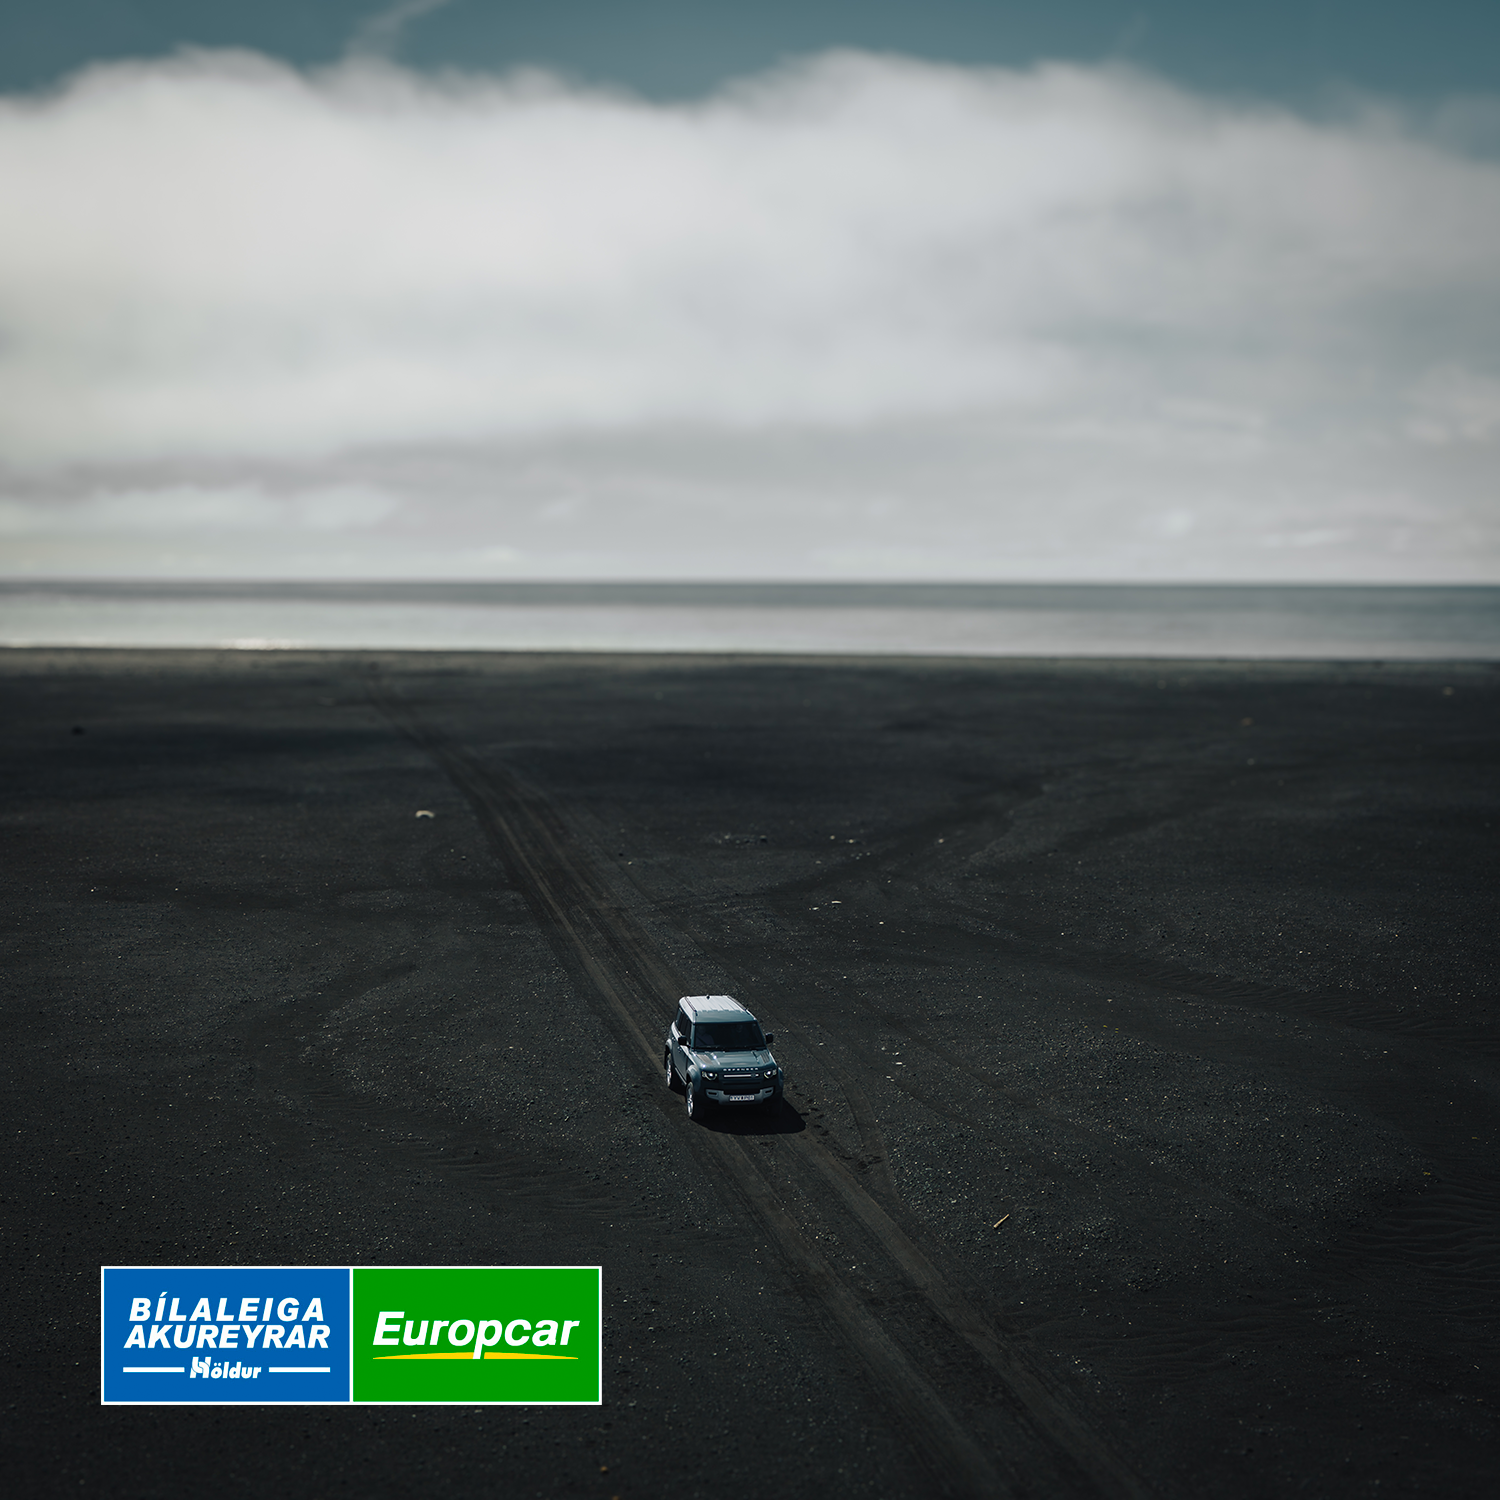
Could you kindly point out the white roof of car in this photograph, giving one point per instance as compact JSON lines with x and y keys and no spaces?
{"x":714,"y":1007}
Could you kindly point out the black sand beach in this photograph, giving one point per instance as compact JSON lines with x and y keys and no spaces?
{"x":1140,"y":1022}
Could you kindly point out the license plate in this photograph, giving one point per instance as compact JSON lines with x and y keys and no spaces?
{"x":739,"y":1098}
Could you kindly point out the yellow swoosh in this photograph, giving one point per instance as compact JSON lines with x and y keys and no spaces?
{"x":488,"y":1355}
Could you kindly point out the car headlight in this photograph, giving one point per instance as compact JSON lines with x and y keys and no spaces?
{"x":711,"y":1073}
{"x":770,"y":1072}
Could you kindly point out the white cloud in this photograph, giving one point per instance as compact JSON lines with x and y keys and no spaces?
{"x":379,"y":35}
{"x":1455,"y":406}
{"x":216,"y":508}
{"x":1096,"y":323}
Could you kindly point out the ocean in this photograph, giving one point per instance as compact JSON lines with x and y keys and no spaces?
{"x":1332,"y":622}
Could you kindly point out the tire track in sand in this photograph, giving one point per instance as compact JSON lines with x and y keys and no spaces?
{"x":638,"y":986}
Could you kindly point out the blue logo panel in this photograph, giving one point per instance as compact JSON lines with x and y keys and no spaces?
{"x":211,"y":1335}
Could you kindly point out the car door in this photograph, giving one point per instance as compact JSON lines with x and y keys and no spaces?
{"x":680,"y":1033}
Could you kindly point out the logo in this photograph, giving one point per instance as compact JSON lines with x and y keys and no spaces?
{"x":409,"y":1335}
{"x":528,"y":1335}
{"x":227,"y":1334}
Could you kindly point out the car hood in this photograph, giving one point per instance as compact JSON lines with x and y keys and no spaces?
{"x":761,"y":1059}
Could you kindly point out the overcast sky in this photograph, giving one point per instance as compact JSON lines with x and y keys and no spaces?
{"x":965,"y":290}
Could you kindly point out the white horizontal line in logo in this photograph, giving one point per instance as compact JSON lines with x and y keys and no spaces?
{"x":299,"y":1369}
{"x":152,"y":1369}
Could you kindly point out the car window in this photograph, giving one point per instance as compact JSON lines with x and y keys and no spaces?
{"x":728,"y":1036}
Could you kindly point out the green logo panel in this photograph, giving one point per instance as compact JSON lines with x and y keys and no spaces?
{"x":527,"y":1335}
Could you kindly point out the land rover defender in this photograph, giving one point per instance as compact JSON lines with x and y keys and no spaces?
{"x":717,"y":1054}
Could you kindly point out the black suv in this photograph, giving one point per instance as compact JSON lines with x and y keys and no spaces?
{"x":717,"y":1054}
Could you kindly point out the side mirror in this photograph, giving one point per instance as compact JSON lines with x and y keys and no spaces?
{"x":770,"y":1037}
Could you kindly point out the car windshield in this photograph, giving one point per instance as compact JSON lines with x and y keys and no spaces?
{"x":728,"y":1036}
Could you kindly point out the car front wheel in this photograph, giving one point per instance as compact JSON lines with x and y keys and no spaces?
{"x":694,"y":1102}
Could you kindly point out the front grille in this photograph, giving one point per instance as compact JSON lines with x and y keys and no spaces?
{"x":742,"y":1083}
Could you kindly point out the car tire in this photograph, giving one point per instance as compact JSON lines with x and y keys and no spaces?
{"x":695,"y":1103}
{"x":673,"y":1082}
